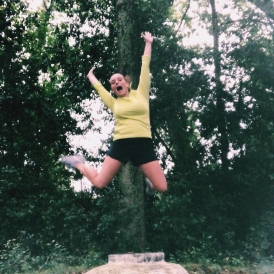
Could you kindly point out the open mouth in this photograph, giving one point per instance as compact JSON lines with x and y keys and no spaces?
{"x":119,"y":88}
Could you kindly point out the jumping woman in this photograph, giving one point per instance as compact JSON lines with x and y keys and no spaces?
{"x":132,"y":134}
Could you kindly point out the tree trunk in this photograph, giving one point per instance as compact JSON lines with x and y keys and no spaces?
{"x":129,"y":41}
{"x":131,"y":210}
{"x":220,"y":93}
{"x":130,"y":179}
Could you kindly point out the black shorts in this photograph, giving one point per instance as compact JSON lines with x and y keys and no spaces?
{"x":137,"y":150}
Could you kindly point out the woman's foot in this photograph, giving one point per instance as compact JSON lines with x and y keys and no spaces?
{"x":72,"y":161}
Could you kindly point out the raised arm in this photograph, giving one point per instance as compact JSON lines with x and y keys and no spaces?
{"x":92,"y":78}
{"x":106,"y":97}
{"x":148,"y":40}
{"x":144,"y":81}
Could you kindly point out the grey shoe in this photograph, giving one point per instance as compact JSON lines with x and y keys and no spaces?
{"x":71,"y":161}
{"x":149,"y":188}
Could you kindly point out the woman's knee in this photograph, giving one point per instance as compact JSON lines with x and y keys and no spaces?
{"x":100,"y":182}
{"x":161,"y":186}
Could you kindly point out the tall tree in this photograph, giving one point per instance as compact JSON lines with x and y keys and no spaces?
{"x":131,"y":181}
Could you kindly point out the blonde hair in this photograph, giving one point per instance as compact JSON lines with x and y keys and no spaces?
{"x":128,"y":80}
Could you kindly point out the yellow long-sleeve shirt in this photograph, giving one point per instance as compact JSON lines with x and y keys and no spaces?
{"x":131,"y":113}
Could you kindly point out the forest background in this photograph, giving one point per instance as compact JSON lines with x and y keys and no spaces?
{"x":212,"y":123}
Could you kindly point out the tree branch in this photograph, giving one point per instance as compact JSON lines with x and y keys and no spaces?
{"x":183,"y":17}
{"x":164,"y":144}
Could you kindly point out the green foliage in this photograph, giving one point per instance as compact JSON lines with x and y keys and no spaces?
{"x":14,"y":258}
{"x":17,"y":258}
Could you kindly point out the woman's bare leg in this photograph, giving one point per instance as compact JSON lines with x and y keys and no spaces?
{"x":155,"y":174}
{"x":109,"y":169}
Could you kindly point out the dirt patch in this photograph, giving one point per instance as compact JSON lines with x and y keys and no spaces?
{"x":202,"y":269}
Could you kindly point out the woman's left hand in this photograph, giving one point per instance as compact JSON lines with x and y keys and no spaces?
{"x":147,"y":36}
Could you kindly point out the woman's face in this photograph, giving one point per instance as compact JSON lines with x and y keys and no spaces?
{"x":119,"y":86}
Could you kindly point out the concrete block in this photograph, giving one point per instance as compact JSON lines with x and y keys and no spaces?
{"x":138,"y":263}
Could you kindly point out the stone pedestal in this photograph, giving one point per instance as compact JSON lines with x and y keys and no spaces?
{"x":138,"y":263}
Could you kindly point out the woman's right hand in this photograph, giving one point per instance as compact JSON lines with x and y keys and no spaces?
{"x":91,"y":72}
{"x":92,"y":78}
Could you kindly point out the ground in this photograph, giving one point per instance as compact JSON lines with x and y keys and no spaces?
{"x":201,"y":269}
